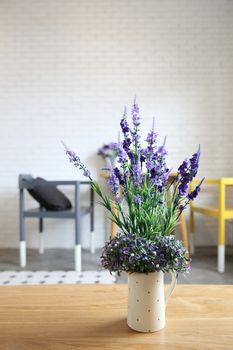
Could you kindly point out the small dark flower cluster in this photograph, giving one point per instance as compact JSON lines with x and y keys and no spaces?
{"x":187,"y":171}
{"x":132,"y":253}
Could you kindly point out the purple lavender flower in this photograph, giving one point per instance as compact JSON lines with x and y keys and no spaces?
{"x":124,"y":126}
{"x":181,"y":208}
{"x":113,"y":183}
{"x":135,"y":137}
{"x":148,"y":152}
{"x":192,"y":195}
{"x":137,"y":199}
{"x":151,"y":137}
{"x":132,"y":253}
{"x":73,"y":158}
{"x":136,"y":175}
{"x":122,"y":155}
{"x":126,"y":144}
{"x":142,"y":156}
{"x":86,"y":173}
{"x":183,"y":186}
{"x":135,"y":114}
{"x":118,"y":199}
{"x":162,"y":151}
{"x":194,"y":161}
{"x":76,"y":161}
{"x":188,"y":170}
{"x":150,"y":164}
{"x":119,"y":176}
{"x":131,"y":157}
{"x":183,"y":168}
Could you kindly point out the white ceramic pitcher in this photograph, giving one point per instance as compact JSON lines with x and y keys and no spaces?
{"x":147,"y":300}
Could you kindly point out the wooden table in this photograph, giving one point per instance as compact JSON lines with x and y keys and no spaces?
{"x":94,"y":317}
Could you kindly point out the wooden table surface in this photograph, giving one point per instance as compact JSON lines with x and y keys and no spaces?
{"x":94,"y":317}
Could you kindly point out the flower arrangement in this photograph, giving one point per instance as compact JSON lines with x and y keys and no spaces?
{"x":146,"y":204}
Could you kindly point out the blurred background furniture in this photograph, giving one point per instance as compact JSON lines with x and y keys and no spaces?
{"x":53,"y":204}
{"x":221,"y":213}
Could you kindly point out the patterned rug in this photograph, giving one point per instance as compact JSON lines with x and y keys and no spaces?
{"x":55,"y":277}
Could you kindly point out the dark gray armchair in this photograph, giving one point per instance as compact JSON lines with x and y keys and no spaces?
{"x":28,"y":182}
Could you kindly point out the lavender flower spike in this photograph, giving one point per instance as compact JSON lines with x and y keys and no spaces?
{"x":113,"y":183}
{"x":136,"y":175}
{"x":151,"y":137}
{"x":192,"y":195}
{"x":124,"y":124}
{"x":135,"y":114}
{"x":72,"y":155}
{"x":161,"y":150}
{"x":77,"y":161}
{"x":194,"y":161}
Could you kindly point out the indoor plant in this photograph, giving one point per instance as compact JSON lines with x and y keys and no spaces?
{"x":146,"y":206}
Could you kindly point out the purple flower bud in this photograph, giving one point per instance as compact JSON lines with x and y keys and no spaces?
{"x":124,"y":126}
{"x":137,"y":199}
{"x":86,"y":173}
{"x":162,"y":151}
{"x":126,"y":144}
{"x":135,"y":114}
{"x":119,"y":176}
{"x":151,"y":137}
{"x":136,"y":175}
{"x":113,"y":183}
{"x":192,"y":195}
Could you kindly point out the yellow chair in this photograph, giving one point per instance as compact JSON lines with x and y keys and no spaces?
{"x":220,"y":212}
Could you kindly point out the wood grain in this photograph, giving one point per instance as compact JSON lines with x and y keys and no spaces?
{"x":94,"y":317}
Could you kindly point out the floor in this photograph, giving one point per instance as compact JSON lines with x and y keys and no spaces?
{"x":203,"y":264}
{"x":13,"y":278}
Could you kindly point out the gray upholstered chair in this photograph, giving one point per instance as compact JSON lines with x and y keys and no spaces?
{"x":29,"y":183}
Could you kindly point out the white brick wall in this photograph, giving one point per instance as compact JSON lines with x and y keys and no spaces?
{"x":67,"y":68}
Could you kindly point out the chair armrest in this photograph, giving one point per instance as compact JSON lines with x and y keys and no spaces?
{"x":85,"y":182}
{"x":206,"y":182}
{"x":28,"y":182}
{"x":227,"y":181}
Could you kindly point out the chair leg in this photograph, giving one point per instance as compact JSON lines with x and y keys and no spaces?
{"x":22,"y":253}
{"x":92,"y":235}
{"x":191,"y":233}
{"x":78,"y":258}
{"x":92,"y":243}
{"x":114,"y":226}
{"x":41,"y":235}
{"x":77,"y":248}
{"x":22,"y":243}
{"x":221,"y":245}
{"x":41,"y":243}
{"x":221,"y":258}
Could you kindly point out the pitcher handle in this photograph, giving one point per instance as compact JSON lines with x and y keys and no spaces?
{"x":172,"y":287}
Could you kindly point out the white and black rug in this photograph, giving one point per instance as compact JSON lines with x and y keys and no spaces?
{"x":55,"y":277}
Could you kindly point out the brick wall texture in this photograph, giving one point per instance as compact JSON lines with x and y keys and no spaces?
{"x":67,"y":68}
